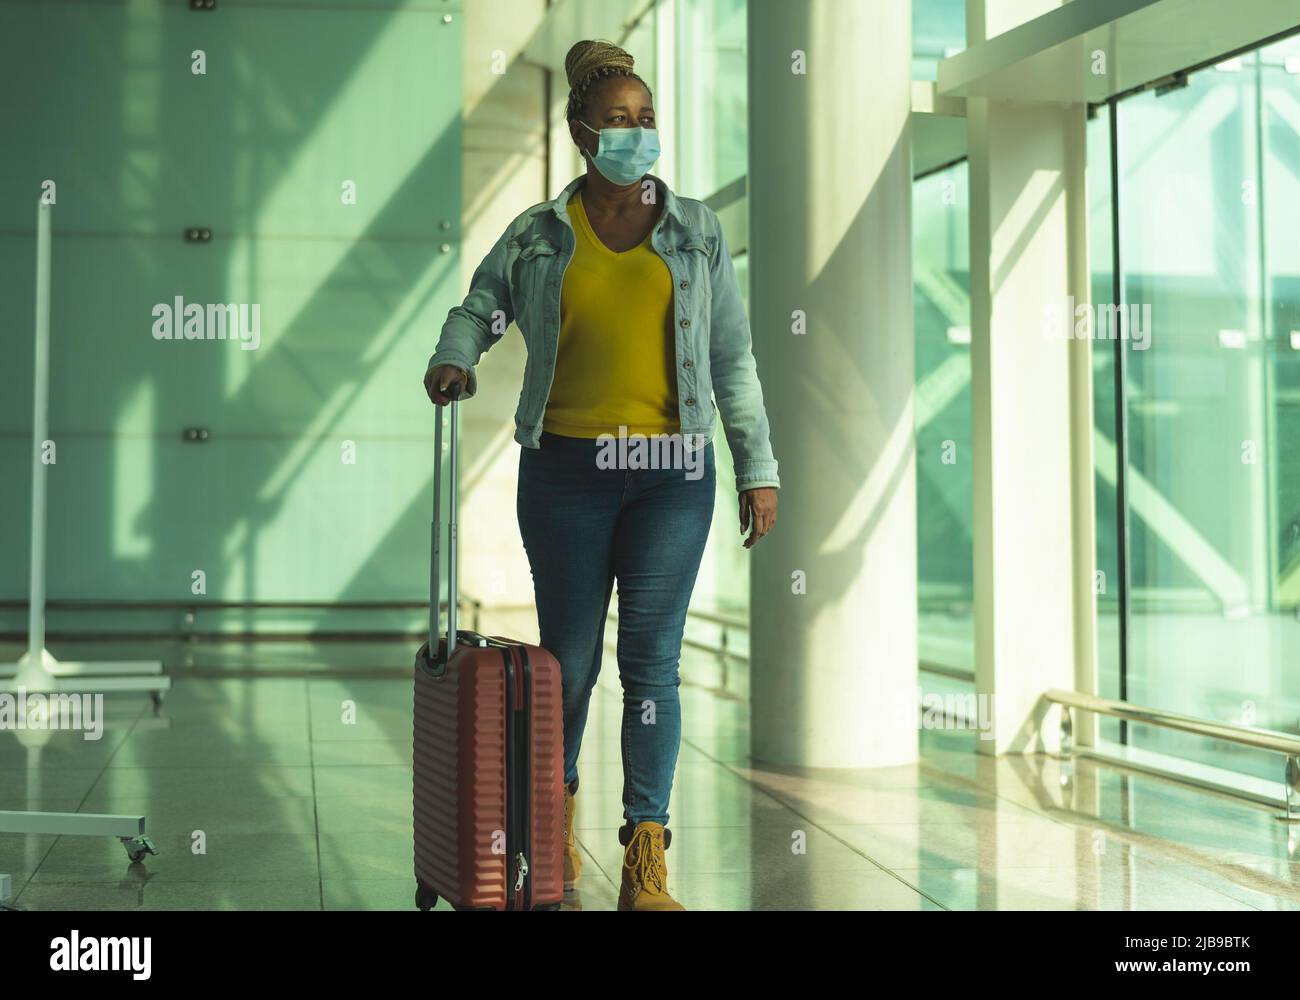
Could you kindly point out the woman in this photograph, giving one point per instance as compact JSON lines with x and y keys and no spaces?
{"x":632,"y":317}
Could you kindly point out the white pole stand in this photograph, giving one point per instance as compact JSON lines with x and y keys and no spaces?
{"x":37,"y":670}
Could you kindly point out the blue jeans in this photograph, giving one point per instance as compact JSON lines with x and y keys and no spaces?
{"x":584,"y":527}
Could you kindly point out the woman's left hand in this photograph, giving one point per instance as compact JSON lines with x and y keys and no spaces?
{"x":757,"y":511}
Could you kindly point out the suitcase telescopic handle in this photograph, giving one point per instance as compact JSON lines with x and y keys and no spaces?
{"x":435,"y":545}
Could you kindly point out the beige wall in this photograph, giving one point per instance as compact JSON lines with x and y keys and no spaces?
{"x":504,"y":173}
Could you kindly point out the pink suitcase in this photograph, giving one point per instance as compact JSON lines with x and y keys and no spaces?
{"x":488,"y":756}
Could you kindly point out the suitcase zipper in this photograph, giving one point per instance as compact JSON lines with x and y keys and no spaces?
{"x":526,"y":816}
{"x":512,"y":775}
{"x":519,"y":769}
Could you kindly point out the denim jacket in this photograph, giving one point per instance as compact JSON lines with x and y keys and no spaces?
{"x":520,"y":280}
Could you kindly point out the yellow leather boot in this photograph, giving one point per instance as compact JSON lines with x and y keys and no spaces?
{"x":572,"y":854}
{"x":645,"y":872}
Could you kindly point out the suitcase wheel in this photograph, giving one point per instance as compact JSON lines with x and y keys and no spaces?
{"x":425,"y":899}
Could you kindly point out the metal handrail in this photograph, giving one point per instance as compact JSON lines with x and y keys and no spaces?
{"x":192,"y":609}
{"x":92,"y":604}
{"x":1259,"y":739}
{"x":715,"y":618}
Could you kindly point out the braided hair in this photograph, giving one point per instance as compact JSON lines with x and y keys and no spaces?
{"x":587,"y":65}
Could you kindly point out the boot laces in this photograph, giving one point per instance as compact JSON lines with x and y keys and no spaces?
{"x":646,"y":865}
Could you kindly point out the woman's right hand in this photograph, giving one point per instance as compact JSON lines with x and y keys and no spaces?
{"x":437,"y":379}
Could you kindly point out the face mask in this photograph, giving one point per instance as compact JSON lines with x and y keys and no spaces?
{"x":624,"y":155}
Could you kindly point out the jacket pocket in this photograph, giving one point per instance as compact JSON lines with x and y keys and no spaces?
{"x":696,"y":253}
{"x":532,"y":265}
{"x":699,"y":244}
{"x":538,"y":247}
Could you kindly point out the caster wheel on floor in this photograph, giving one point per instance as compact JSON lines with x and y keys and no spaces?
{"x":425,"y":899}
{"x":138,"y":847}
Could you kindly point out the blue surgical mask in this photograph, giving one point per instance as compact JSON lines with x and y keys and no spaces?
{"x":624,"y":155}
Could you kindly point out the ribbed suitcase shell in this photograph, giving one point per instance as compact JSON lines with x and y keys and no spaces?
{"x":460,"y":779}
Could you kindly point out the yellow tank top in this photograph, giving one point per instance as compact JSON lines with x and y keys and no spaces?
{"x":616,"y":362}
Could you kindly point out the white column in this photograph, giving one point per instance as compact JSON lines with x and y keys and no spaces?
{"x":1030,"y":401}
{"x":834,"y":679}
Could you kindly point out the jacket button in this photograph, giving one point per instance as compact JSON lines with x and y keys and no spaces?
{"x":691,"y":401}
{"x":684,"y":285}
{"x":688,"y":364}
{"x":686,"y":322}
{"x":669,"y":251}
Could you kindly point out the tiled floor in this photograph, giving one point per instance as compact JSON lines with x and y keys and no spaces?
{"x":263,"y":793}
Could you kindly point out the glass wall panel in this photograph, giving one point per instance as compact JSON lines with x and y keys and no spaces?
{"x":1208,"y":196}
{"x":709,"y":133}
{"x":712,"y":103}
{"x":1280,"y":147}
{"x":1108,"y":582}
{"x":331,"y":184}
{"x":938,"y":31}
{"x":941,"y":265}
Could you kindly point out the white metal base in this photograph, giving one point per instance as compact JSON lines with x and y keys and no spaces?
{"x":46,"y":674}
{"x":128,"y":829}
{"x":72,"y":824}
{"x":109,"y":677}
{"x":101,"y":685}
{"x":88,"y":668}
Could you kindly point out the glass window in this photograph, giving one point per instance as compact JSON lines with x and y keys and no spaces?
{"x":711,"y":152}
{"x":1209,"y":190}
{"x":712,"y":80}
{"x":938,"y":31}
{"x":1108,"y":578}
{"x":941,"y":272}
